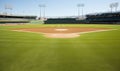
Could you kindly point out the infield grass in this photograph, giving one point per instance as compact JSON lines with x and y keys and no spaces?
{"x":22,"y":51}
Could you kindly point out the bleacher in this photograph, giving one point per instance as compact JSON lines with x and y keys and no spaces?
{"x":63,"y":21}
{"x":16,"y":19}
{"x":99,"y":18}
{"x":108,"y":18}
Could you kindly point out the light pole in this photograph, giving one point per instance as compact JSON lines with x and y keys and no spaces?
{"x":80,"y":5}
{"x":114,"y":6}
{"x":111,"y":6}
{"x":78,"y":10}
{"x":40,"y":10}
{"x":42,"y":6}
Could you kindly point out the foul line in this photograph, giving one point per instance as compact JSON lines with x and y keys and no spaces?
{"x":97,"y":31}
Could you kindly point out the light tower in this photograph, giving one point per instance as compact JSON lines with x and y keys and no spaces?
{"x":8,"y":7}
{"x":80,"y":5}
{"x":42,"y":11}
{"x":111,"y":6}
{"x":78,"y":10}
{"x":114,"y":6}
{"x":44,"y":6}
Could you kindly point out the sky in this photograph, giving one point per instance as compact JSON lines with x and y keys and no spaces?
{"x":56,"y":8}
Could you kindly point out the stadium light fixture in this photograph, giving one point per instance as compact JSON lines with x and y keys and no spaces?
{"x":111,"y":6}
{"x":8,"y":7}
{"x":42,"y":6}
{"x":114,"y":6}
{"x":40,"y":10}
{"x":80,"y":5}
{"x":78,"y":9}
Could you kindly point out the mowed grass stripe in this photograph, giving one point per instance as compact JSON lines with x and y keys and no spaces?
{"x":30,"y":53}
{"x":88,"y":59}
{"x":20,"y":51}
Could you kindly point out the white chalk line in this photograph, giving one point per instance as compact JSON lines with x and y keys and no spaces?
{"x":97,"y":31}
{"x":26,"y":31}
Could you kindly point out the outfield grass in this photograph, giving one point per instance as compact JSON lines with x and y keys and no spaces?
{"x":22,"y":51}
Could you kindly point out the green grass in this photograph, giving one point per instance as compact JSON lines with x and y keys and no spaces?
{"x":22,"y":51}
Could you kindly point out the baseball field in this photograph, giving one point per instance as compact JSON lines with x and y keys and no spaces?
{"x":31,"y":50}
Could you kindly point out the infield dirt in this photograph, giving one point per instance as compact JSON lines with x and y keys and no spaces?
{"x":66,"y":32}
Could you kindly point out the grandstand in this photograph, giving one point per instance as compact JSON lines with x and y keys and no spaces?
{"x":16,"y":18}
{"x":111,"y":18}
{"x":63,"y":21}
{"x":99,"y":18}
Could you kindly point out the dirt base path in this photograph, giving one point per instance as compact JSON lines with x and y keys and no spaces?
{"x":61,"y":32}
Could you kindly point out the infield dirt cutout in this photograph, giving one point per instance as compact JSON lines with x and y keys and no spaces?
{"x":64,"y":32}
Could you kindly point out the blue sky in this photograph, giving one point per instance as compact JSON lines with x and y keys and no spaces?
{"x":56,"y":7}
